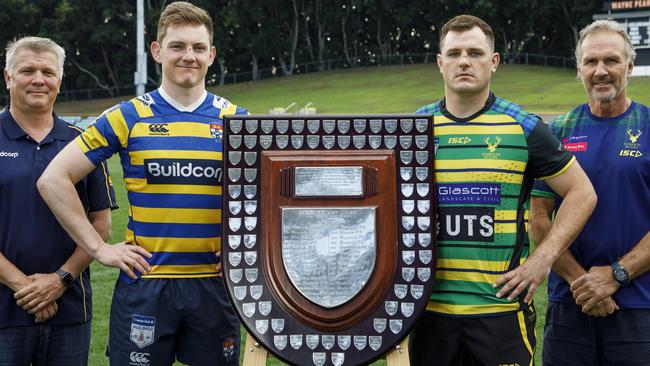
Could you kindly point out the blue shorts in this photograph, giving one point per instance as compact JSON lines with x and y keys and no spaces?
{"x":155,"y":321}
{"x":51,"y":345}
{"x":574,"y":338}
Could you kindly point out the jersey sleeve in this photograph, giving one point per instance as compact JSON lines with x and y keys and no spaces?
{"x":105,"y":137}
{"x":101,"y":194}
{"x":546,"y":156}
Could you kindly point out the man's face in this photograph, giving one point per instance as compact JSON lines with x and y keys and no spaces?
{"x":467,"y":61}
{"x":604,"y":67}
{"x":34,"y":81}
{"x":185,"y":55}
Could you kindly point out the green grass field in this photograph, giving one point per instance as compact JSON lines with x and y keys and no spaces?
{"x":387,"y":89}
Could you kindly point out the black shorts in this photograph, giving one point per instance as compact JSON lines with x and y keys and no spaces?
{"x":501,"y":340}
{"x":574,"y":338}
{"x":155,"y":321}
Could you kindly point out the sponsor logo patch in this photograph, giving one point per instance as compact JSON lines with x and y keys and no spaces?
{"x":159,"y":129}
{"x":464,"y":140}
{"x":630,"y":153}
{"x":7,"y":154}
{"x":146,"y":99}
{"x":139,"y":358}
{"x":183,"y":171}
{"x":466,"y":224}
{"x":142,"y":330}
{"x":229,"y":349}
{"x":477,"y":193}
{"x":575,"y":146}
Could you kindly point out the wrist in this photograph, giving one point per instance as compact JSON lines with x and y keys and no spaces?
{"x":620,"y":273}
{"x":66,"y":278}
{"x":18,"y":282}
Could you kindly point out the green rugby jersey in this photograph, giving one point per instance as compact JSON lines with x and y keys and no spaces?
{"x":484,"y":171}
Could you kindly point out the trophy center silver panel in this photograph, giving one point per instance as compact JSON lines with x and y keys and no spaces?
{"x":329,"y":253}
{"x":329,"y":181}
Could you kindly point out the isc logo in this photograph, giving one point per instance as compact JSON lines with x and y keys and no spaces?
{"x":632,"y":153}
{"x":459,"y":140}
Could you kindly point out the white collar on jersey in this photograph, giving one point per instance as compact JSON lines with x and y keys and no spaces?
{"x":174,"y":103}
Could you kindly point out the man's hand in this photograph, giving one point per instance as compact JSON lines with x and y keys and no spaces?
{"x":528,"y":275}
{"x":48,"y":312}
{"x":122,"y":256}
{"x":44,"y":289}
{"x":604,"y":307}
{"x":594,"y":286}
{"x":218,"y":265}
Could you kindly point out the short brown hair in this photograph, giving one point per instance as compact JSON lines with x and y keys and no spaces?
{"x":182,"y":12}
{"x":463,"y":23}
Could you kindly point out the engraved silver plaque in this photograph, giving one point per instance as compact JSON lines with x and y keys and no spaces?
{"x":391,"y":125}
{"x":280,"y":341}
{"x":374,"y":342}
{"x":406,"y":157}
{"x":359,"y":141}
{"x":328,"y":142}
{"x":249,"y":240}
{"x":344,"y":141}
{"x":405,"y":142}
{"x":250,"y":257}
{"x":251,"y":125}
{"x":297,"y":125}
{"x":421,"y":125}
{"x":424,"y":206}
{"x":250,"y":174}
{"x":265,"y":307}
{"x":295,"y":340}
{"x":251,"y":274}
{"x":234,"y":241}
{"x":250,"y":141}
{"x":422,"y":173}
{"x":408,"y":273}
{"x":408,"y":222}
{"x":250,"y":207}
{"x":408,"y":239}
{"x":360,"y":342}
{"x":256,"y":291}
{"x":297,"y":141}
{"x":408,"y":256}
{"x":405,"y":173}
{"x":390,"y":141}
{"x":379,"y":324}
{"x":313,"y":141}
{"x":234,"y":157}
{"x":424,"y":239}
{"x":395,"y":325}
{"x":329,"y":125}
{"x":316,"y":238}
{"x":344,"y":341}
{"x":250,"y":191}
{"x":407,"y":189}
{"x":374,"y":141}
{"x":250,"y":157}
{"x":312,"y":341}
{"x":417,"y":291}
{"x":282,"y":141}
{"x":375,"y":125}
{"x":266,"y":125}
{"x":239,"y":292}
{"x":313,"y":125}
{"x":424,"y":274}
{"x":406,"y":125}
{"x":338,"y":358}
{"x":421,"y":141}
{"x":235,"y":275}
{"x":400,"y":291}
{"x":282,"y":125}
{"x":248,"y":308}
{"x":391,"y":307}
{"x":424,"y":222}
{"x":266,"y":141}
{"x":234,"y":174}
{"x":421,"y":157}
{"x":359,"y":125}
{"x":234,"y":191}
{"x":319,"y":358}
{"x":262,"y":325}
{"x":234,"y":223}
{"x":236,"y":125}
{"x":234,"y":207}
{"x":423,"y":189}
{"x":425,"y":256}
{"x":250,"y":222}
{"x":277,"y":325}
{"x":407,"y":308}
{"x":326,"y":181}
{"x":328,"y":341}
{"x":408,"y":206}
{"x":343,"y":125}
{"x":234,"y":258}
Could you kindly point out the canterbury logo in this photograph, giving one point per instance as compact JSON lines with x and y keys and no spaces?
{"x":139,"y":357}
{"x":492,"y":147}
{"x":158,"y":128}
{"x":634,"y":138}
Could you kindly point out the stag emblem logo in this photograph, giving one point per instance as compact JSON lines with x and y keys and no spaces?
{"x":490,"y":146}
{"x":634,"y":137}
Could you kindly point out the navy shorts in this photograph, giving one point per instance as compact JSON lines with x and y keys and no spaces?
{"x":155,"y":321}
{"x":574,"y":338}
{"x":440,"y":340}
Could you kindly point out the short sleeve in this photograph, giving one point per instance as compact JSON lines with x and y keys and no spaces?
{"x":101,"y":194}
{"x":105,"y":137}
{"x":546,"y":156}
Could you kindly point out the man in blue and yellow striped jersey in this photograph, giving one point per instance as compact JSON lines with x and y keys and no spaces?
{"x":171,"y":305}
{"x":488,"y":153}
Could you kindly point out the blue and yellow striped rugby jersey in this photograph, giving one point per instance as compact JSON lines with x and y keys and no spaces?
{"x":484,"y":170}
{"x":172,"y":163}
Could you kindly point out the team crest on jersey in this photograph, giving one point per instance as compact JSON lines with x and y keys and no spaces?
{"x":146,"y":99}
{"x":632,"y":146}
{"x":492,"y":143}
{"x":216,"y":130}
{"x":142,"y":330}
{"x":229,"y":349}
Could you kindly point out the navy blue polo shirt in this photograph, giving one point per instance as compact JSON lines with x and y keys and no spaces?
{"x":30,"y":236}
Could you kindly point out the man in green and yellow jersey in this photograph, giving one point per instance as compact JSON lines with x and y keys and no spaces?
{"x":488,"y":153}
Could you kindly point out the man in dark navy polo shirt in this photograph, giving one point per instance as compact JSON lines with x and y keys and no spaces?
{"x":45,"y":303}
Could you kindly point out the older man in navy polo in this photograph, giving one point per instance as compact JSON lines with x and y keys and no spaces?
{"x":45,"y":303}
